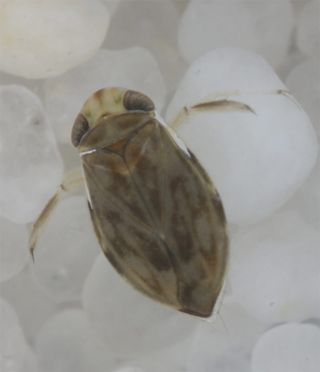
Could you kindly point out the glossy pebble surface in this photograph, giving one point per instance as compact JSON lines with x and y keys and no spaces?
{"x":304,"y":82}
{"x":255,"y":25}
{"x":75,"y":347}
{"x":45,"y":38}
{"x":225,"y":344}
{"x":278,"y":262}
{"x":28,"y":299}
{"x":13,"y":248}
{"x":15,"y":354}
{"x":66,"y":251}
{"x":290,"y":347}
{"x":243,"y":151}
{"x":27,"y":152}
{"x":107,"y":299}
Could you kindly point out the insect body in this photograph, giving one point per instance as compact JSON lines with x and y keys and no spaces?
{"x":158,"y":218}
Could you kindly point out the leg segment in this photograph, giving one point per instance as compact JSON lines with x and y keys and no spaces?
{"x":220,"y":102}
{"x":70,"y":184}
{"x":222,"y":105}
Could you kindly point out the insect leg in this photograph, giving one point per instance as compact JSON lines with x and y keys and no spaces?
{"x":71,"y":183}
{"x":221,"y":105}
{"x":221,"y":102}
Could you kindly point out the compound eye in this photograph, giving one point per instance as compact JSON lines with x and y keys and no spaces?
{"x":133,"y":100}
{"x":79,"y":129}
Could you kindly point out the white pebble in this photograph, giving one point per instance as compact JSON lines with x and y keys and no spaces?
{"x":66,"y":344}
{"x":308,"y":32}
{"x":32,"y":305}
{"x":226,"y":342}
{"x":264,"y":27}
{"x":13,"y":248}
{"x":47,"y":38}
{"x":225,"y":71}
{"x":128,"y":322}
{"x":30,"y":165}
{"x":66,"y":250}
{"x":288,"y":347}
{"x":274,"y":270}
{"x":304,"y":82}
{"x":14,"y":351}
{"x":247,"y":154}
{"x":133,"y":68}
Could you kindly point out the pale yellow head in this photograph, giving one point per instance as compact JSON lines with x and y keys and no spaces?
{"x":106,"y":102}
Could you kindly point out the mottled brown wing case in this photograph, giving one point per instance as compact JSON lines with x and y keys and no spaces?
{"x":158,"y":218}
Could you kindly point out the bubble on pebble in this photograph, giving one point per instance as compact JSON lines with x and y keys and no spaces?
{"x":130,"y":324}
{"x":264,"y":27}
{"x":14,"y":352}
{"x":304,"y":82}
{"x":247,"y":154}
{"x":32,"y":305}
{"x":308,"y":32}
{"x":133,"y":68}
{"x":288,"y":347}
{"x":47,"y":38}
{"x":66,"y":250}
{"x":274,"y":269}
{"x":30,"y":165}
{"x":152,"y":25}
{"x":66,"y":344}
{"x":13,"y":249}
{"x":226,"y":342}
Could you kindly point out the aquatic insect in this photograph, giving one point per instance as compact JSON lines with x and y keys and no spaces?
{"x":157,"y":215}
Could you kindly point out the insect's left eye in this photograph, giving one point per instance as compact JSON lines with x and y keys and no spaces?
{"x":79,"y":129}
{"x":133,"y":100}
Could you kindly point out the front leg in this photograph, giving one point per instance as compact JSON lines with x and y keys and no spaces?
{"x":222,"y":105}
{"x":220,"y":102}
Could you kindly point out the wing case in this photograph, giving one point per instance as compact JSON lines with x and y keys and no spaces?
{"x":157,"y":216}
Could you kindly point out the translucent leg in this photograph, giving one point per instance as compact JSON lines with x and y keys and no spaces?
{"x":220,"y":102}
{"x":70,"y":184}
{"x":217,"y":106}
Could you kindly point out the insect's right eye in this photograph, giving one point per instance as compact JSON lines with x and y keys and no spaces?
{"x":79,"y":129}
